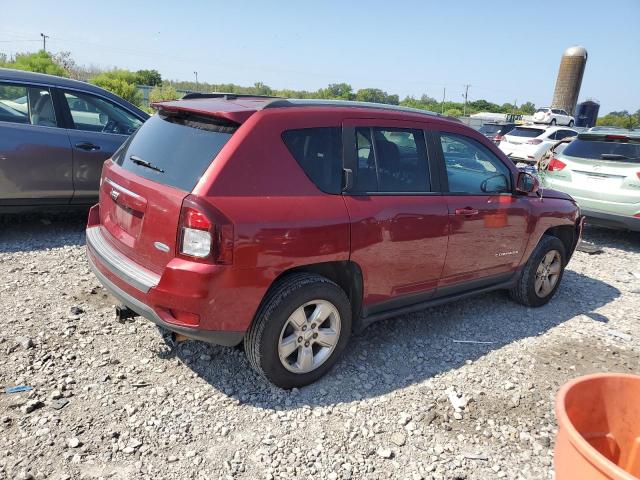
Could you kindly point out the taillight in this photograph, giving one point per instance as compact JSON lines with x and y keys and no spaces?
{"x":204,"y":234}
{"x":196,"y":233}
{"x":535,"y":141}
{"x":497,"y":138}
{"x":555,"y":165}
{"x":638,"y":174}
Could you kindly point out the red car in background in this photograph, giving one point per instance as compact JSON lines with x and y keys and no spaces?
{"x":288,"y":224}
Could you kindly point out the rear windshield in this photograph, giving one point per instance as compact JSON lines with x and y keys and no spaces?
{"x":612,"y":150}
{"x":488,"y":129}
{"x":174,"y":150}
{"x":526,"y":132}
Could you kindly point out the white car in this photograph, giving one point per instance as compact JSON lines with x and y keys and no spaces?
{"x":553,"y":116}
{"x":529,"y":143}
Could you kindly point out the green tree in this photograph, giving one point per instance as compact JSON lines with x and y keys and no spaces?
{"x":527,"y":108}
{"x":121,"y":82}
{"x":149,"y":77}
{"x":163,"y":92}
{"x":622,"y":119}
{"x":377,"y":96}
{"x":41,"y":62}
{"x":340,"y":91}
{"x":453,"y":112}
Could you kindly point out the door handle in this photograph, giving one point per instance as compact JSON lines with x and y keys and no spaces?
{"x":88,"y":146}
{"x":466,"y":211}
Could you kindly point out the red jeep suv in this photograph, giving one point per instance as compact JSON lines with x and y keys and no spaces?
{"x":288,"y":224}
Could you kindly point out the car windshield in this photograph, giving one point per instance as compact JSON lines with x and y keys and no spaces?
{"x":526,"y":132}
{"x":604,"y":150}
{"x":489,"y":128}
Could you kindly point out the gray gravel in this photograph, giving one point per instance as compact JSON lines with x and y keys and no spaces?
{"x":413,"y":397}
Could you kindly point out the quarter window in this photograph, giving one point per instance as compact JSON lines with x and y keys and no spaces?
{"x":473,"y":168}
{"x":30,"y":105}
{"x":318,"y":151}
{"x":94,"y":114}
{"x":391,"y":160}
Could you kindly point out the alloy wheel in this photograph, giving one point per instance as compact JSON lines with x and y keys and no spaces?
{"x":548,"y":273}
{"x":309,"y":336}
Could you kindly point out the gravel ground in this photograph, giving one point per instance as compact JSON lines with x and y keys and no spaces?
{"x":115,"y":400}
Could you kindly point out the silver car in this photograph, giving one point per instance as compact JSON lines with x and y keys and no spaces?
{"x":601,"y":171}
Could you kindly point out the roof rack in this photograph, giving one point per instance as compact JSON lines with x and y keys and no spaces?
{"x":223,"y":95}
{"x":295,"y":102}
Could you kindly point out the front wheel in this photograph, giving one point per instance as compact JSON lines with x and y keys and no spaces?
{"x":553,"y":122}
{"x":542,"y":273}
{"x":300,"y":330}
{"x":571,"y":123}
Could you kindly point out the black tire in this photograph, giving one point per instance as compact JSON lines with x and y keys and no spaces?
{"x":553,"y":121}
{"x":524,"y":291}
{"x":571,"y":123}
{"x":288,"y":294}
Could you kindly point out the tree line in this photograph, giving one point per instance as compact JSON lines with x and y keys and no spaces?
{"x":125,"y":84}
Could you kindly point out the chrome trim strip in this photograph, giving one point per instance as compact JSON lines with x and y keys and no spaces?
{"x":122,"y":189}
{"x":131,"y":302}
{"x":116,"y":262}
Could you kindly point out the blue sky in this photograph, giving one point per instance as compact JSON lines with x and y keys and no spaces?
{"x":505,"y":50}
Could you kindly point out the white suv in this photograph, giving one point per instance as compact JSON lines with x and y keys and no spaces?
{"x":553,"y":116}
{"x":529,"y":143}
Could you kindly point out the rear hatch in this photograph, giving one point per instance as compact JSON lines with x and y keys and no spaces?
{"x":603,"y":167}
{"x":540,"y":115}
{"x":146,"y":181}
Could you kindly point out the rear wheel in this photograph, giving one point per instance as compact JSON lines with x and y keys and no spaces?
{"x":300,"y":330}
{"x":542,"y":274}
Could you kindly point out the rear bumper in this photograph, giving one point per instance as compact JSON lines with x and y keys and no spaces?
{"x":611,"y":220}
{"x":144,"y":292}
{"x":228,"y":339}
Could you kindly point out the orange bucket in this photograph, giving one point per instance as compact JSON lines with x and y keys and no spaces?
{"x":599,"y":428}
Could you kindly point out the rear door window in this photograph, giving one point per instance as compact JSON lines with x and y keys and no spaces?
{"x":30,"y":105}
{"x":318,"y":151}
{"x":391,"y":160}
{"x":175,"y":150}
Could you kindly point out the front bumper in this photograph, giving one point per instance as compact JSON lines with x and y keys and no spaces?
{"x":611,"y":220}
{"x":105,"y":262}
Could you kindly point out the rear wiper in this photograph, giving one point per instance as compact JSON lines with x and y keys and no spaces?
{"x":616,"y":156}
{"x":144,"y":163}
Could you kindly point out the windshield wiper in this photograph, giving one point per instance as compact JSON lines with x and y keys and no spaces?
{"x":616,"y":156}
{"x":144,"y":163}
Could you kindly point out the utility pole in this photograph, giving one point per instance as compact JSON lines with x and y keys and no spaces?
{"x":466,"y":95}
{"x":444,"y":94}
{"x":44,"y":41}
{"x":196,"y":74}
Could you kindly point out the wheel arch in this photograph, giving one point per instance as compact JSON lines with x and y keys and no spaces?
{"x":346,"y":274}
{"x":567,"y":235}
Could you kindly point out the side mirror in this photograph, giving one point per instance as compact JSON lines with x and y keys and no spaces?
{"x":527,"y":183}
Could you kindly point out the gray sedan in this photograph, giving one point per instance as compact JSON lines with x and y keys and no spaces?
{"x":55,"y":134}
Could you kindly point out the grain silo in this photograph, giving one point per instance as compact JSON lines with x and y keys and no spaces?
{"x":565,"y":96}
